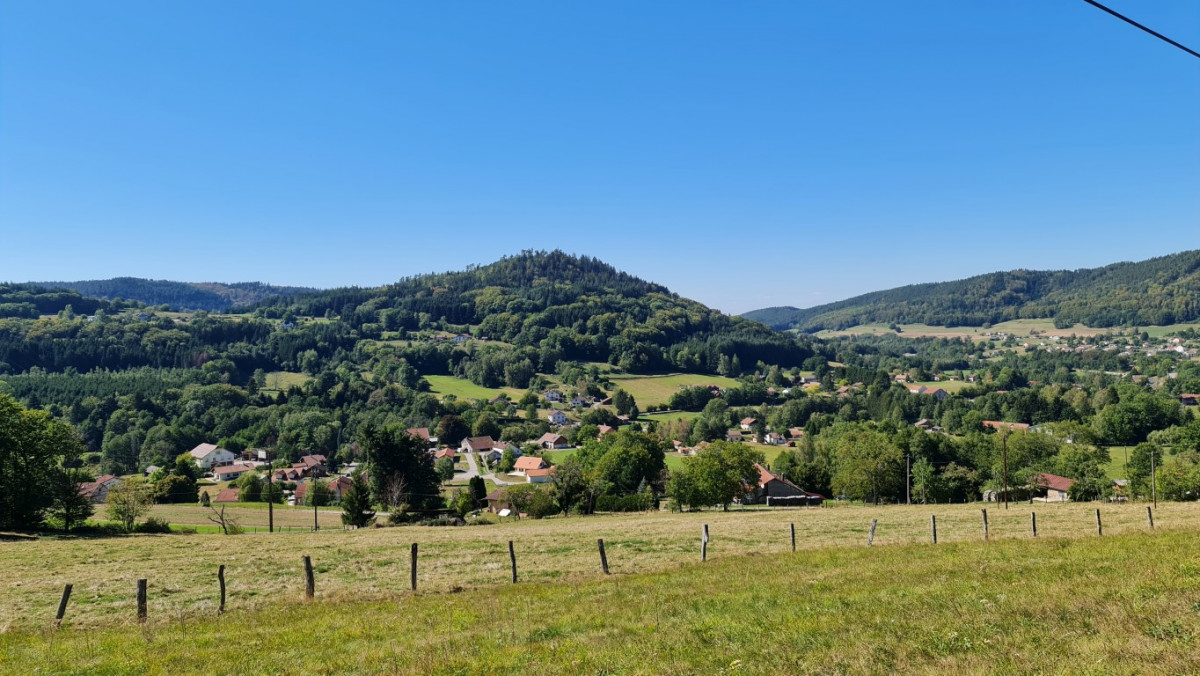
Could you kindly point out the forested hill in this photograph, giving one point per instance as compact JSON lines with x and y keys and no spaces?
{"x":209,"y":296}
{"x":29,"y":301}
{"x":559,"y":306}
{"x":1163,"y":290}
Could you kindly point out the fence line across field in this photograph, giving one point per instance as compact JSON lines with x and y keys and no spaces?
{"x":142,"y":596}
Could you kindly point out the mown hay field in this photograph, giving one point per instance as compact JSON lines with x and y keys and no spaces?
{"x":1119,"y":604}
{"x":265,"y":569}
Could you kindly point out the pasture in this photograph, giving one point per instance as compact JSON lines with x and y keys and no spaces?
{"x":264,"y":569}
{"x":1127,"y":602}
{"x":657,"y":389}
{"x":465,"y":389}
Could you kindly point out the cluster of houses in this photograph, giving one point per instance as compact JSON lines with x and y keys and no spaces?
{"x":745,"y":430}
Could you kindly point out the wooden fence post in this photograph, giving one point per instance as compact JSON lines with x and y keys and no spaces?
{"x":310,"y":584}
{"x":871,"y":534}
{"x":603,"y":557}
{"x":62,"y":605}
{"x":793,"y":538}
{"x":704,"y":544}
{"x":1099,"y":526}
{"x":412,"y":575}
{"x":1150,"y":517}
{"x":221,"y":580}
{"x":933,"y":527}
{"x":512,"y":555}
{"x":985,"y":524}
{"x":141,"y":600}
{"x":1033,"y":522}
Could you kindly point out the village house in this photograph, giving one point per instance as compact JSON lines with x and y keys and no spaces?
{"x":747,"y":424}
{"x":1052,"y":488}
{"x":773,"y":489}
{"x":935,"y":392}
{"x":528,"y":462}
{"x":605,"y":430}
{"x":231,"y":472}
{"x":446,"y":453}
{"x":312,"y":465}
{"x":539,"y":476}
{"x":553,"y":395}
{"x":551,"y":441}
{"x":421,"y":433}
{"x":287,"y":474}
{"x":795,"y":433}
{"x":227,"y":495}
{"x":97,"y":491}
{"x":207,"y":455}
{"x":498,"y":500}
{"x":774,"y":439}
{"x":337,"y":487}
{"x":557,"y":418}
{"x":733,"y":435}
{"x":1001,"y":425}
{"x":476,"y":444}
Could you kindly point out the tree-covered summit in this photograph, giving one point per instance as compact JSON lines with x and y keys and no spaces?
{"x":1157,"y":291}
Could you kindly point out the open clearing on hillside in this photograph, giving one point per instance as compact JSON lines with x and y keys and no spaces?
{"x":282,"y":380}
{"x":1118,"y":604}
{"x":465,"y":389}
{"x":647,"y":390}
{"x":373,"y":563}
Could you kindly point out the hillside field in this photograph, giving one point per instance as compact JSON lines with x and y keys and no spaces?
{"x":465,"y":389}
{"x":1127,"y":602}
{"x":657,"y":389}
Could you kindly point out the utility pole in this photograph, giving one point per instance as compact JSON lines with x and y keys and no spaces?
{"x":1005,"y":453}
{"x":1153,"y":479}
{"x":908,"y":478}
{"x":270,"y":499}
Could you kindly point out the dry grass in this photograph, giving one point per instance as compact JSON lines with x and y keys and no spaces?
{"x":1113,"y":605}
{"x":373,"y":564}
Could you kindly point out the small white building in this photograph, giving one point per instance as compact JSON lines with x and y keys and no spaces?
{"x":207,"y":455}
{"x":557,"y":418}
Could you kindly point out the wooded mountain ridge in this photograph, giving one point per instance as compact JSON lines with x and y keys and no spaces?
{"x":1158,"y":291}
{"x":181,"y":296}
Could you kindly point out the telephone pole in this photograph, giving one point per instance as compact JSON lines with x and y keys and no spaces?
{"x":1004,"y":439}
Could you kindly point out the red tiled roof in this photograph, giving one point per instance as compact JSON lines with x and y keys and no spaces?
{"x":1001,"y":425}
{"x":540,"y":472}
{"x":419,"y":432}
{"x":1054,"y":482}
{"x":227,"y":495}
{"x":529,"y":462}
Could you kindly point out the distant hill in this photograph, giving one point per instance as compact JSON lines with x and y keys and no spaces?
{"x":1163,"y":290}
{"x":210,"y":296}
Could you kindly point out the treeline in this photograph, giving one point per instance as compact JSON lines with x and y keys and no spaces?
{"x":207,"y":296}
{"x":1158,"y":291}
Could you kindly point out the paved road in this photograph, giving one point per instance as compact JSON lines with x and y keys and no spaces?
{"x":487,"y":477}
{"x":472,"y":469}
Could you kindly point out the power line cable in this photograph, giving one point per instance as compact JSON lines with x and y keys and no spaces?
{"x":1151,"y":31}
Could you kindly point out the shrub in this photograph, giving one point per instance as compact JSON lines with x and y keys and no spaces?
{"x":153,"y":525}
{"x":638,"y":502}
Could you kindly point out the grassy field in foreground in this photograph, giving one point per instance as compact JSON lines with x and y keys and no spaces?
{"x":1113,"y":605}
{"x":657,"y":389}
{"x":265,"y":569}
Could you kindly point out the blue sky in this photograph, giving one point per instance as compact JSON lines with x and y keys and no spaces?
{"x":745,"y":154}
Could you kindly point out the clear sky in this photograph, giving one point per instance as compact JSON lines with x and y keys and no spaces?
{"x":745,"y":154}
